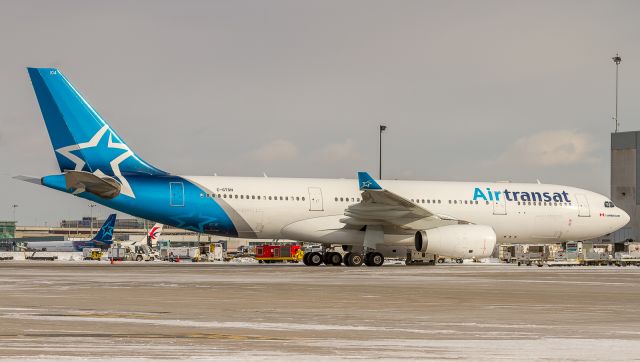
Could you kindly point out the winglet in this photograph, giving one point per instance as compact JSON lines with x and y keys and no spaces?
{"x":366,"y":182}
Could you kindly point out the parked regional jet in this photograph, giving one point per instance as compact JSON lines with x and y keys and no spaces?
{"x":456,"y":219}
{"x":102,"y":240}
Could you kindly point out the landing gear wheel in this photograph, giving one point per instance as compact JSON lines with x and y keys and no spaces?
{"x":374,"y":259}
{"x":314,"y":259}
{"x":305,"y":258}
{"x":326,"y":258}
{"x":367,"y":259}
{"x":335,"y":259}
{"x":345,"y":259}
{"x":355,"y":259}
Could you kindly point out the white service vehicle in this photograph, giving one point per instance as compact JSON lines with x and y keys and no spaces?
{"x":216,"y":252}
{"x":140,"y":253}
{"x":180,"y":253}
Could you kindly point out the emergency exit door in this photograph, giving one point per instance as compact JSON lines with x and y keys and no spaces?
{"x":500,"y":206}
{"x":315,"y":199}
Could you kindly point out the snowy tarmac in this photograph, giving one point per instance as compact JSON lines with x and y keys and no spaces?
{"x":133,"y":311}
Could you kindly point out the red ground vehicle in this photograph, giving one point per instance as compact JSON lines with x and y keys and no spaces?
{"x":279,"y":253}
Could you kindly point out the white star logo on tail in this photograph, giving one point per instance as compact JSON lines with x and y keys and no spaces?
{"x":115,"y":163}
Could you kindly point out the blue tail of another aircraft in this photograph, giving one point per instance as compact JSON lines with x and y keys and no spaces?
{"x":81,"y":139}
{"x":105,"y":234}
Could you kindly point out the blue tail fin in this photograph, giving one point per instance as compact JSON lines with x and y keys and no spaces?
{"x":105,"y":234}
{"x":81,"y":139}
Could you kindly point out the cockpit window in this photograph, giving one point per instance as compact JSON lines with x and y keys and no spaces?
{"x":608,"y":204}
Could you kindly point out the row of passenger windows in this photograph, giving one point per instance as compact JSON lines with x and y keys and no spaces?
{"x":427,"y":201}
{"x":523,"y":203}
{"x":256,"y":197}
{"x":357,"y":199}
{"x":476,"y":202}
{"x":544,"y":203}
{"x":346,"y":199}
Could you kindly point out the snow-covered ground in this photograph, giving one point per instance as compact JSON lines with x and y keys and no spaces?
{"x":213,"y":311}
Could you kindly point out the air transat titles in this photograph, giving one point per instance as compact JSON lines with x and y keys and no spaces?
{"x":493,"y":195}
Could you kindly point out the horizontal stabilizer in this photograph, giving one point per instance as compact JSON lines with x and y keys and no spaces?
{"x":81,"y":181}
{"x":33,"y":180}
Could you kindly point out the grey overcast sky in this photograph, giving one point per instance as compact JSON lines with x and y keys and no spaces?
{"x":470,"y":90}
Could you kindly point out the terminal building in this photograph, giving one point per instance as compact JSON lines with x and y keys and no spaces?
{"x":625,"y":181}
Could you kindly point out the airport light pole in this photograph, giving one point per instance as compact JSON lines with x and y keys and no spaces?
{"x":14,"y":206}
{"x":382,"y":129}
{"x":91,"y":206}
{"x":617,"y":59}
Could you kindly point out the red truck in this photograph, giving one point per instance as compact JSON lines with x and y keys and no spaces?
{"x":279,"y":253}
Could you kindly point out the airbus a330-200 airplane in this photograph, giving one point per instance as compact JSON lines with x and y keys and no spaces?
{"x":366,"y":217}
{"x":103,"y":240}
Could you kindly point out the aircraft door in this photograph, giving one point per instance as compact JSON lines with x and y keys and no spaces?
{"x":500,"y":206}
{"x":583,"y":206}
{"x":176,"y":194}
{"x":315,"y":199}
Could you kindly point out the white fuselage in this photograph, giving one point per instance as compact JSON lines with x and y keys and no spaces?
{"x":61,"y":245}
{"x":311,"y":209}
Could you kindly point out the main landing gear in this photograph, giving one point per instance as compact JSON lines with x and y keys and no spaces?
{"x":332,"y":258}
{"x":373,"y":259}
{"x":353,"y":259}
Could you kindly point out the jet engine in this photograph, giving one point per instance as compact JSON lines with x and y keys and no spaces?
{"x":457,"y":241}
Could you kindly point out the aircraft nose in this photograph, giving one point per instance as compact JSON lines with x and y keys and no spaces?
{"x":625,"y":218}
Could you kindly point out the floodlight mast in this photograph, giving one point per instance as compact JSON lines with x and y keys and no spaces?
{"x":382,"y":129}
{"x":617,"y":59}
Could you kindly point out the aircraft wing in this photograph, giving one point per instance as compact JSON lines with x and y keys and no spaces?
{"x":385,"y":208}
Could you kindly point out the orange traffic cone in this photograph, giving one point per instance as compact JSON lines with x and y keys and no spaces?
{"x":177,"y":259}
